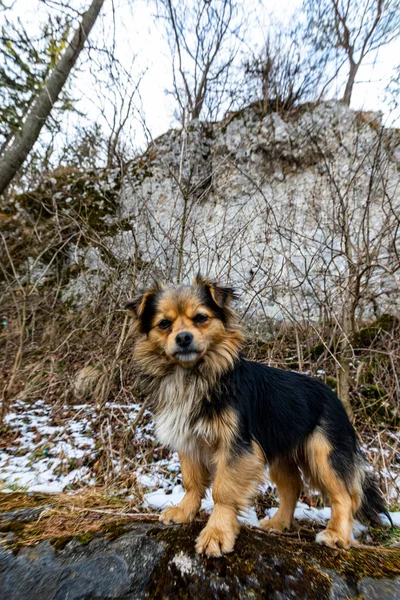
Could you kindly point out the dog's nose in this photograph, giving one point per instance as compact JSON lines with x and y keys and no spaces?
{"x":184,"y":339}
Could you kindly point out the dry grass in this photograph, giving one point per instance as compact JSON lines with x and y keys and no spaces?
{"x":69,"y":358}
{"x":53,"y":352}
{"x":90,"y":511}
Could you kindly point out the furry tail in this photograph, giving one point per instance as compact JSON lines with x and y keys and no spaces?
{"x":372,"y":502}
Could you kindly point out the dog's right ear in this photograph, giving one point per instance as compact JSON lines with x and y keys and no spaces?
{"x":143,"y":308}
{"x":136,"y":306}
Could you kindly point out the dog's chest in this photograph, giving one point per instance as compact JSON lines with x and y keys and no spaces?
{"x":178,"y":421}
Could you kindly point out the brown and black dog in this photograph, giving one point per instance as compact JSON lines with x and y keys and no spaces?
{"x":228,"y":418}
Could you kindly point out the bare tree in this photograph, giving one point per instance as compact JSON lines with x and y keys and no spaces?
{"x":24,"y":140}
{"x":286,"y":73}
{"x":202,"y":41}
{"x":354,"y":27}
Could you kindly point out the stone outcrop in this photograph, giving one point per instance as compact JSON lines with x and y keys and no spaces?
{"x":264,"y":201}
{"x":144,"y":559}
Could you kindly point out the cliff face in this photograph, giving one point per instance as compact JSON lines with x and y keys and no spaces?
{"x":299,"y":212}
{"x":290,"y":210}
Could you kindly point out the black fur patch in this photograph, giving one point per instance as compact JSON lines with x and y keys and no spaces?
{"x":208,"y":301}
{"x":145,"y":318}
{"x":280,"y":409}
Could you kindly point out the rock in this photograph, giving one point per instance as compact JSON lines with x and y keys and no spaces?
{"x":373,"y":589}
{"x":239,"y":185}
{"x":149,"y":560}
{"x":266,"y":193}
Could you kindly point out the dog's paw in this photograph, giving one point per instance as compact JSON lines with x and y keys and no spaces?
{"x":274,"y":525}
{"x":332,"y":539}
{"x":215,"y":542}
{"x":175,"y":514}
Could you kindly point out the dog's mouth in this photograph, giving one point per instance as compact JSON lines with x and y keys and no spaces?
{"x":187,"y":355}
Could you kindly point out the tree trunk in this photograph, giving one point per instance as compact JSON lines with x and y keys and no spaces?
{"x":345,"y":356}
{"x":15,"y":156}
{"x":350,"y":82}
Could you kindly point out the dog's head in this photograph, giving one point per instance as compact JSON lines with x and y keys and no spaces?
{"x":185,"y":325}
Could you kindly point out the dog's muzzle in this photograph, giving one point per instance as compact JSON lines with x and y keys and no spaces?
{"x":186,"y":352}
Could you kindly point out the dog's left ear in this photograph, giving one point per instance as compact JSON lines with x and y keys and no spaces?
{"x":221,"y":295}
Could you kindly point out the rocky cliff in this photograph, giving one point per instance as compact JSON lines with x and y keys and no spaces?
{"x":292,"y":209}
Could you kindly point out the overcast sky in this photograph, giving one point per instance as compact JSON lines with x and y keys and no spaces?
{"x":141,"y":46}
{"x":141,"y":35}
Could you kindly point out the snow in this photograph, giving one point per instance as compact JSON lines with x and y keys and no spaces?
{"x":50,"y":455}
{"x":46,"y":457}
{"x":395,"y":518}
{"x":160,"y":500}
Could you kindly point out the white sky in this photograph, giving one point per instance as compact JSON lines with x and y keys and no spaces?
{"x":142,"y":36}
{"x":139,"y":35}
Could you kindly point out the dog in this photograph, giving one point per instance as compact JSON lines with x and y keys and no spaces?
{"x":228,"y":418}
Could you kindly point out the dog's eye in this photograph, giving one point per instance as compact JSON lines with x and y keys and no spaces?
{"x":164,"y":324}
{"x":197,"y":319}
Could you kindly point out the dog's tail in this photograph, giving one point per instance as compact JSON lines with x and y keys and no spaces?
{"x":372,"y":503}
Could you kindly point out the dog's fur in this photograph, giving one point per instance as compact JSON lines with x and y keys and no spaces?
{"x":228,"y":417}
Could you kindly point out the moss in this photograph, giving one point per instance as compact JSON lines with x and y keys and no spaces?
{"x":381,"y":536}
{"x":85,"y":538}
{"x":367,"y":336}
{"x":59,"y":543}
{"x":373,"y":392}
{"x":12,"y":527}
{"x":88,"y":197}
{"x":115,"y":529}
{"x":316,"y":351}
{"x":331,"y":381}
{"x":375,"y":403}
{"x":261,"y":565}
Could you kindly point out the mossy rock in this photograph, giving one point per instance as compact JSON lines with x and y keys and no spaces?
{"x":316,"y":351}
{"x":374,"y":402}
{"x":373,"y":392}
{"x":331,"y":382}
{"x":373,"y":333}
{"x":153,"y":561}
{"x":145,"y":559}
{"x":88,"y":197}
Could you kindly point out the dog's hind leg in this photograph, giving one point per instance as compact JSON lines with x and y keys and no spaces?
{"x":196,"y":479}
{"x":343,"y":503}
{"x":235,"y":485}
{"x":286,"y":475}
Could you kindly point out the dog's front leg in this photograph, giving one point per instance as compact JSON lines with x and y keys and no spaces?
{"x":235,"y":485}
{"x":196,"y":480}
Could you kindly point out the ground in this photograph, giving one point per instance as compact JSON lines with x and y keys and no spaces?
{"x":55,"y":451}
{"x":136,"y":557}
{"x":63,"y":535}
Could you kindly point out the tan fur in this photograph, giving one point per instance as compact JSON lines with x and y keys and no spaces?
{"x":235,"y":486}
{"x":338,"y":530}
{"x":196,"y":479}
{"x":219,"y":345}
{"x":286,"y":475}
{"x":219,"y":432}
